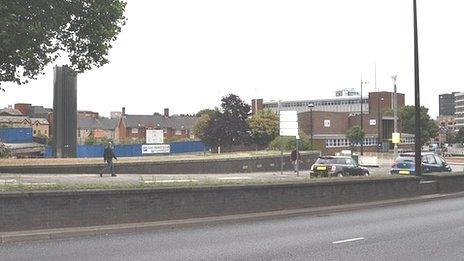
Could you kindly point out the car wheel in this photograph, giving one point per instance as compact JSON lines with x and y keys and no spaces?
{"x":367,"y":174}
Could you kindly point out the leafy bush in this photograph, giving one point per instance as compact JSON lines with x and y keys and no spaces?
{"x":5,"y":152}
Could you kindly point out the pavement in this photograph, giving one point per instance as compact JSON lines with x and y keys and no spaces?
{"x":422,"y":230}
{"x":457,"y":164}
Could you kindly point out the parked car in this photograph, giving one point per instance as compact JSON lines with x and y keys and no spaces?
{"x":338,"y":166}
{"x":405,"y":164}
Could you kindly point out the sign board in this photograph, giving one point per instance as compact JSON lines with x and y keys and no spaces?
{"x":156,"y":149}
{"x":327,"y":123}
{"x":154,"y":136}
{"x":396,"y":138}
{"x":288,"y":123}
{"x":372,"y":122}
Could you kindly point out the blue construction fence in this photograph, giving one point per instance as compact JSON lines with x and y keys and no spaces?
{"x":16,"y":135}
{"x":133,"y":150}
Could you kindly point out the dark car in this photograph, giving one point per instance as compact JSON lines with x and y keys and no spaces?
{"x":405,"y":164}
{"x":338,"y":166}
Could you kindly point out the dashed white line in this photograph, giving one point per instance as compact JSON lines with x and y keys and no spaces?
{"x":348,"y":240}
{"x":170,"y":180}
{"x":233,"y":178}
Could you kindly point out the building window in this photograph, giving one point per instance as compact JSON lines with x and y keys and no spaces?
{"x":35,"y":132}
{"x":135,"y":131}
{"x":45,"y":131}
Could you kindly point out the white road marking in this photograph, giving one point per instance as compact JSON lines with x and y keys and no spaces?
{"x":233,"y":178}
{"x":170,"y":180}
{"x":348,"y":240}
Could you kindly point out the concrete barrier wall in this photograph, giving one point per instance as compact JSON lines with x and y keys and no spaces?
{"x":42,"y":210}
{"x":447,"y":182}
{"x":235,"y":165}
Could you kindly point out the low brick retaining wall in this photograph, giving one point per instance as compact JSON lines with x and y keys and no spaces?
{"x":43,"y":210}
{"x":203,"y":166}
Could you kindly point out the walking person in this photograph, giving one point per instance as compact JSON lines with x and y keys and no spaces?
{"x":108,"y":156}
{"x":295,"y":157}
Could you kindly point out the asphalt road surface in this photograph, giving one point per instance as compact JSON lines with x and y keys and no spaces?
{"x":422,"y":231}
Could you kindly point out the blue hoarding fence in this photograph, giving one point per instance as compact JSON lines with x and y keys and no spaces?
{"x":133,"y":150}
{"x":16,"y":135}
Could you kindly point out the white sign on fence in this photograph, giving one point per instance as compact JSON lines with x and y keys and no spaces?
{"x":288,"y":123}
{"x":156,"y":149}
{"x":154,"y":136}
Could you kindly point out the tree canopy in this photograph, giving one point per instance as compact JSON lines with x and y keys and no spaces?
{"x":355,"y":135}
{"x":264,"y":126}
{"x":428,"y":127}
{"x":34,"y":33}
{"x":226,"y":126}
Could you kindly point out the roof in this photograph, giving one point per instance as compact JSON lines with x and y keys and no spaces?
{"x":40,"y":120}
{"x":13,"y":119}
{"x":100,"y":123}
{"x":159,"y":121}
{"x":10,"y":112}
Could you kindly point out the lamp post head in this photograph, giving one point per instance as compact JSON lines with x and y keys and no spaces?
{"x":311,"y":105}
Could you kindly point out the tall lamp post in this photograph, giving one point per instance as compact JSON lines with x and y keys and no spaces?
{"x":361,"y":100}
{"x":379,"y":119}
{"x":311,"y":106}
{"x":417,"y":133}
{"x":395,"y":114}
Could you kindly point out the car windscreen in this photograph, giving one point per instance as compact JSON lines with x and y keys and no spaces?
{"x":333,"y":161}
{"x":405,"y":159}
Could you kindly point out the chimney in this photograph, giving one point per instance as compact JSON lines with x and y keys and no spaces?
{"x":123,"y":111}
{"x":166,"y":112}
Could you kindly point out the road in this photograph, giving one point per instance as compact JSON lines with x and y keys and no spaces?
{"x":421,"y":231}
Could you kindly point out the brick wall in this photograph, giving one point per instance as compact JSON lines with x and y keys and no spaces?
{"x":44,"y":210}
{"x":237,"y":165}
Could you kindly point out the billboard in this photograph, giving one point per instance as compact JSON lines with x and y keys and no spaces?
{"x":288,"y":123}
{"x":156,"y":149}
{"x":154,"y":137}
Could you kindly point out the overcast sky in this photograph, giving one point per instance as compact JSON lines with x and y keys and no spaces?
{"x":187,"y":54}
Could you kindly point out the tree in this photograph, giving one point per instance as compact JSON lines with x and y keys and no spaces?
{"x":428,"y":127}
{"x":226,"y":126}
{"x":459,"y":136}
{"x":355,"y":135}
{"x":289,"y":143}
{"x":264,"y":127}
{"x":34,"y":33}
{"x":209,"y":112}
{"x":235,"y":113}
{"x":199,"y":129}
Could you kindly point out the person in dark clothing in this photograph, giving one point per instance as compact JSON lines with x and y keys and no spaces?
{"x":108,"y":156}
{"x":295,"y":157}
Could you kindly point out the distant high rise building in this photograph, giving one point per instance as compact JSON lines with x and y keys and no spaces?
{"x":64,"y":112}
{"x":446,"y":104}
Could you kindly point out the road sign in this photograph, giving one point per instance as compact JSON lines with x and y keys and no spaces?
{"x":289,"y":123}
{"x":396,"y":138}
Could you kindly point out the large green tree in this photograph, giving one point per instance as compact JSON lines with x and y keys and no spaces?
{"x":34,"y":33}
{"x":428,"y":127}
{"x":264,"y":126}
{"x":235,"y":113}
{"x":226,"y":126}
{"x":355,"y":135}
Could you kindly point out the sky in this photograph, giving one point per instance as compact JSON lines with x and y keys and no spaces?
{"x":185,"y":55}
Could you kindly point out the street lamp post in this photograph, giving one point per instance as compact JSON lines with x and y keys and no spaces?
{"x":311,"y":106}
{"x":417,"y":133}
{"x":379,"y":119}
{"x":395,"y":114}
{"x":362,"y":142}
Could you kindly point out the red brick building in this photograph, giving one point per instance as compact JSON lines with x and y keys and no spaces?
{"x":134,"y":127}
{"x":330,"y":128}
